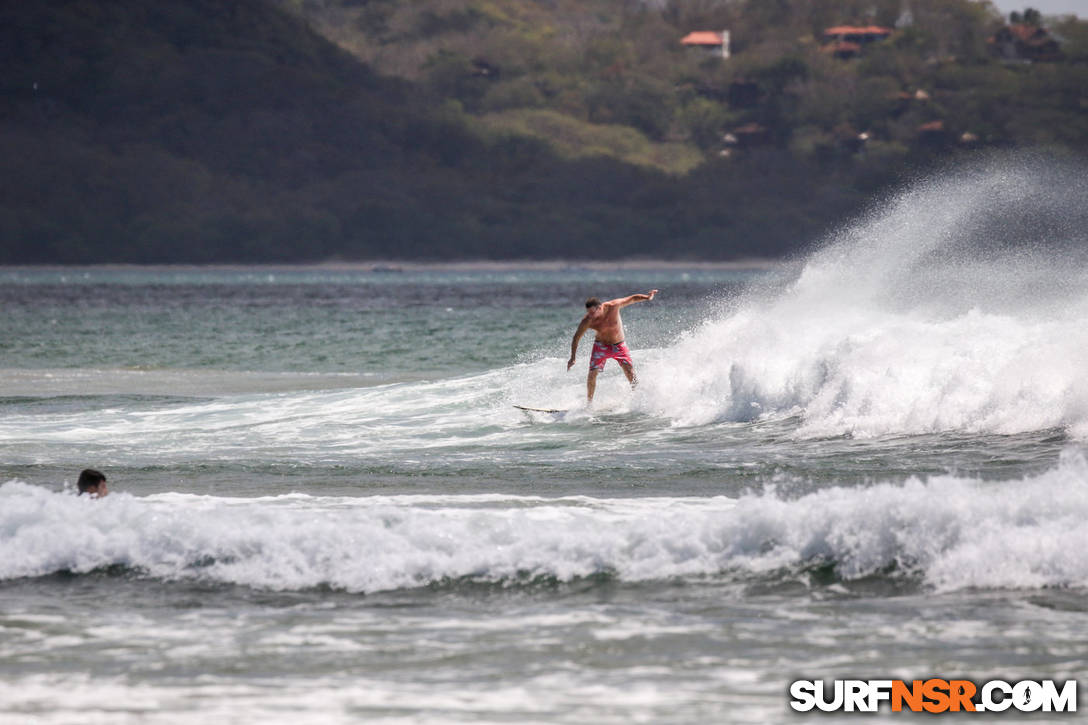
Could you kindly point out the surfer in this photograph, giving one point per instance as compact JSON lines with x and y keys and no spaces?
{"x":604,"y":319}
{"x":92,"y":482}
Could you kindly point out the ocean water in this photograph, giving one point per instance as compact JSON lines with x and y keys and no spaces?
{"x":869,"y":461}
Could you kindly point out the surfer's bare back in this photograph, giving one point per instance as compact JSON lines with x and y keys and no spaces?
{"x":604,"y":319}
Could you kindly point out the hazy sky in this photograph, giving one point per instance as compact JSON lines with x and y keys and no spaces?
{"x":1046,"y":7}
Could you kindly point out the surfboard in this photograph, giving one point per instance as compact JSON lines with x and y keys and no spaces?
{"x":540,"y":410}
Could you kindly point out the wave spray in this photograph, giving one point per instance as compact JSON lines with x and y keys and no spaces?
{"x":957,"y":305}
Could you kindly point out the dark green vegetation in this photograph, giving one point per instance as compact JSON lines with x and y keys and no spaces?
{"x":257,"y":130}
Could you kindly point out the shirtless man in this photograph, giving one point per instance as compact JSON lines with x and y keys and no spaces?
{"x":604,"y":319}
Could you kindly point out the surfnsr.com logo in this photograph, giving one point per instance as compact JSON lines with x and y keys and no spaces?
{"x":934,"y":696}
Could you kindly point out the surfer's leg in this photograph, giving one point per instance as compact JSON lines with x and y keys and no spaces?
{"x":629,"y":371}
{"x":591,"y":385}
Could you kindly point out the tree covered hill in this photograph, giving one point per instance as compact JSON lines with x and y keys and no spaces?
{"x":620,"y":62}
{"x":304,"y":130}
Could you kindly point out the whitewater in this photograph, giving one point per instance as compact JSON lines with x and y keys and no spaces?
{"x":866,"y":461}
{"x":1025,"y":533}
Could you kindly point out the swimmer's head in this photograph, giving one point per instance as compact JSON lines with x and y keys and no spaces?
{"x":92,"y":482}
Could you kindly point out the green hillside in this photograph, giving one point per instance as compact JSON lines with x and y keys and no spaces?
{"x":304,"y":130}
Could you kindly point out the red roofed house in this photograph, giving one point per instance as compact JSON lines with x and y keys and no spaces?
{"x":934,"y":133}
{"x":716,"y":44}
{"x":846,"y":41}
{"x":1025,"y":42}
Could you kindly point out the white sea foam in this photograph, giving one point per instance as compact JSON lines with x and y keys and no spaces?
{"x":944,"y":310}
{"x":951,"y":532}
{"x":541,"y":698}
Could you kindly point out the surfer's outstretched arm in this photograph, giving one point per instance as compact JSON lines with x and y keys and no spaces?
{"x":624,"y":301}
{"x":574,"y":343}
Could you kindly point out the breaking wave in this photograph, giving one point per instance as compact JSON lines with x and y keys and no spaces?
{"x":946,"y":532}
{"x":958,"y":305}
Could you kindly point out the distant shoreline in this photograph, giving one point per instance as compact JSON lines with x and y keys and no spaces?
{"x":389,"y":265}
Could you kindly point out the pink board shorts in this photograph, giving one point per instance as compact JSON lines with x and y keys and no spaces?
{"x":602,"y":351}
